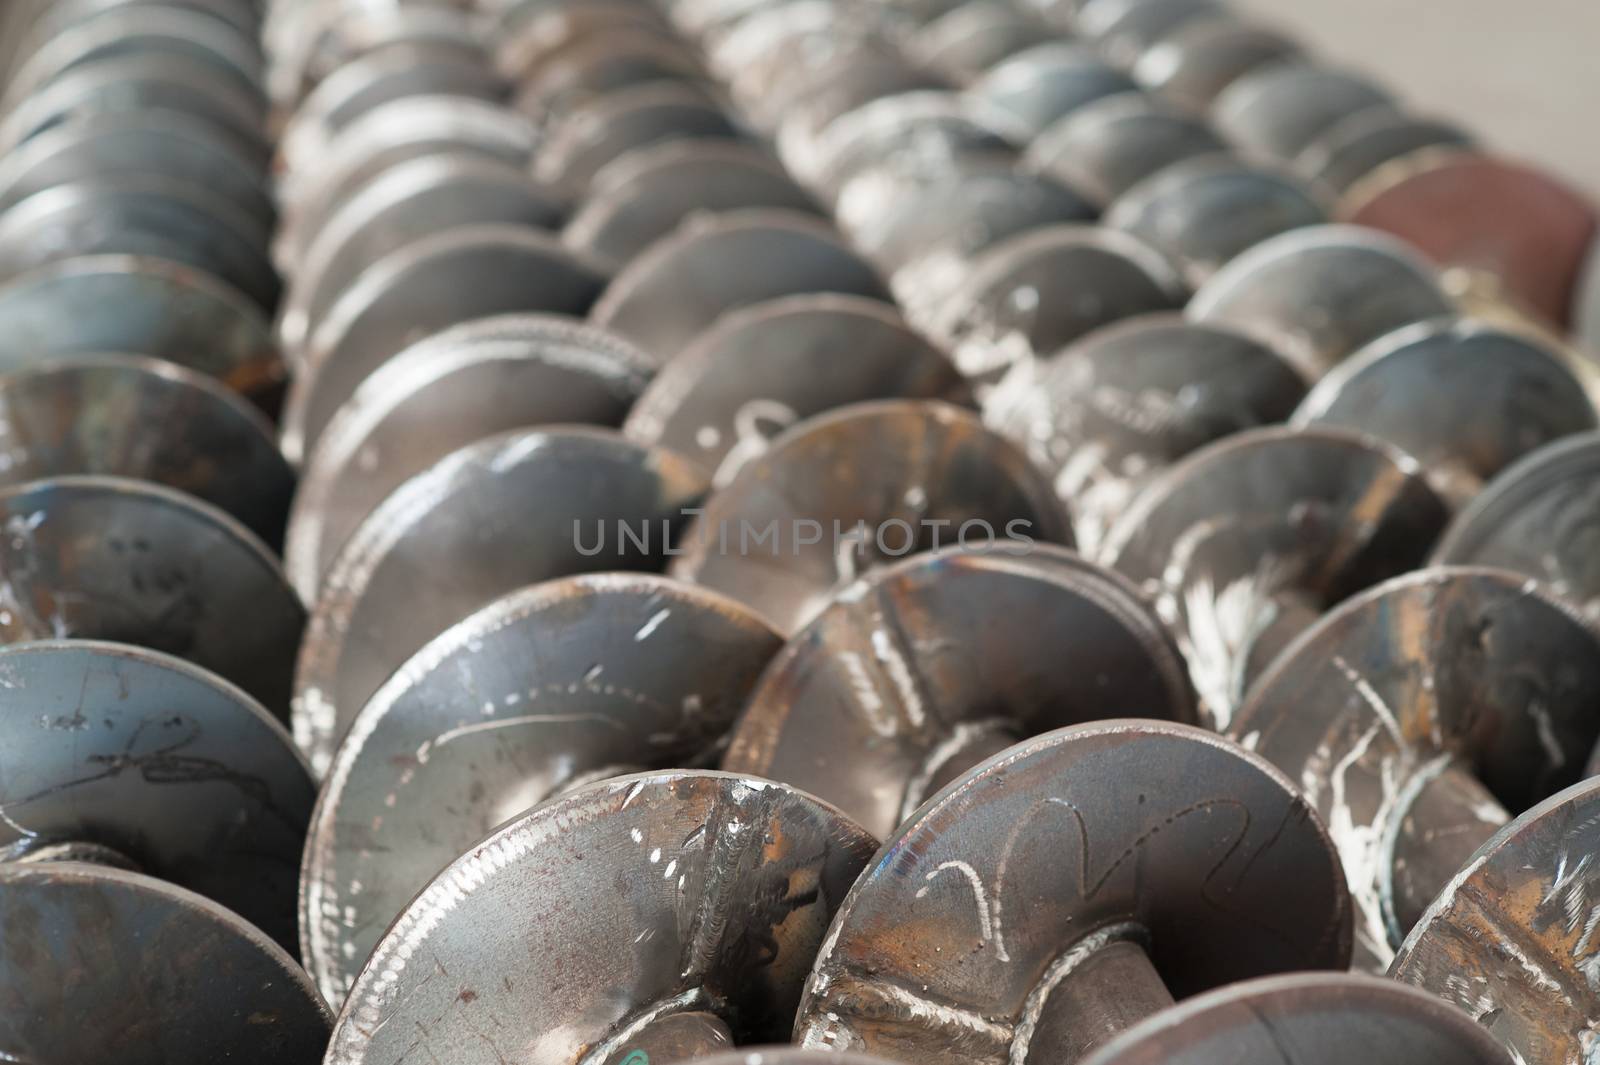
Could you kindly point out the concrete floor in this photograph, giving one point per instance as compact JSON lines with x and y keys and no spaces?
{"x":1522,"y":74}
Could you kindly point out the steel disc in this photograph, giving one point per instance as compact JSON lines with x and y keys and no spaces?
{"x":1320,"y":293}
{"x":386,"y":136}
{"x":1246,"y":541}
{"x":406,"y":203}
{"x":129,"y":416}
{"x":723,"y":890}
{"x":836,"y":88}
{"x":683,"y":283}
{"x":146,"y":144}
{"x":1277,"y":112}
{"x":1048,"y":82}
{"x":631,"y":672}
{"x":1540,"y":518}
{"x":442,"y":393}
{"x":931,"y":241}
{"x":908,"y":130}
{"x":169,"y":767}
{"x":1006,"y":870}
{"x":1524,"y":229}
{"x":760,"y":370}
{"x":1107,"y":415}
{"x":142,"y":217}
{"x":242,"y":15}
{"x":489,"y":518}
{"x":639,"y":199}
{"x":451,"y":277}
{"x":935,"y":471}
{"x":1463,"y":398}
{"x":1107,"y":147}
{"x":972,"y":37}
{"x":393,"y":72}
{"x":1204,"y":212}
{"x":333,"y":35}
{"x":1509,"y":940}
{"x":929,"y":666}
{"x":102,"y":964}
{"x":626,"y":120}
{"x":1475,"y":668}
{"x":1356,"y":146}
{"x":104,"y":558}
{"x":1034,"y":294}
{"x":147,"y":30}
{"x":141,"y":83}
{"x":1125,"y":29}
{"x":602,"y":63}
{"x":532,"y":37}
{"x":1195,"y":63}
{"x":1310,"y":1019}
{"x":144,"y":306}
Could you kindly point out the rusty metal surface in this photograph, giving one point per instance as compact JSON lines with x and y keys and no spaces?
{"x":1320,"y":293}
{"x":1539,"y":517}
{"x":446,"y":392}
{"x":1437,"y":673}
{"x":487,"y":519}
{"x":113,"y":559}
{"x":720,"y":891}
{"x":984,"y":907}
{"x":130,"y":416}
{"x":1244,"y":543}
{"x":1195,"y":63}
{"x":1526,"y":230}
{"x":642,"y":197}
{"x":100,"y":964}
{"x":1509,"y":939}
{"x":1027,"y":298}
{"x":437,"y":281}
{"x":1110,"y":145}
{"x":1279,"y":111}
{"x":1204,"y":212}
{"x":143,"y":306}
{"x":1111,"y":412}
{"x":167,"y":766}
{"x":870,"y":707}
{"x":1463,"y":398}
{"x":721,"y":401}
{"x":683,"y":283}
{"x":935,"y":470}
{"x":1307,"y":1019}
{"x":631,"y":672}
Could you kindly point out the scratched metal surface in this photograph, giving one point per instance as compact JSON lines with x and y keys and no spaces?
{"x":551,"y":687}
{"x":175,"y":770}
{"x":1512,"y":939}
{"x":1480,"y":669}
{"x":940,"y":947}
{"x":717,"y":892}
{"x":934,"y":469}
{"x":97,"y":961}
{"x":114,"y":559}
{"x":1246,"y":541}
{"x":922,"y":670}
{"x":517,"y":508}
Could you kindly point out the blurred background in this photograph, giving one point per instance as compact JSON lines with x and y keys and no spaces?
{"x":1522,"y":74}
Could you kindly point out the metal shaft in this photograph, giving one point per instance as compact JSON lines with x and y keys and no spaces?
{"x":1449,"y":816}
{"x":1096,"y":990}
